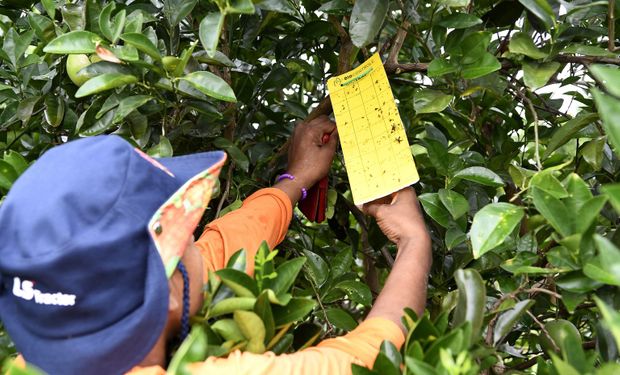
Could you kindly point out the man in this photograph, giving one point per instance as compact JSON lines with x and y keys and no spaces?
{"x":99,"y":272}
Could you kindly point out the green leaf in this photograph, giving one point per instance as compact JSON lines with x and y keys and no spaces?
{"x":235,"y":153}
{"x":388,"y":360}
{"x":481,"y":175}
{"x":472,"y":300}
{"x":209,"y":31}
{"x":434,"y":208}
{"x":43,"y":27}
{"x":242,"y":284}
{"x":280,"y":6}
{"x":263,"y":309}
{"x":357,"y":291}
{"x":210,"y":84}
{"x":541,"y":9}
{"x":142,"y":43}
{"x":588,"y":213}
{"x":537,"y":75}
{"x":507,"y":320}
{"x":521,"y":43}
{"x":287,"y":274}
{"x":99,"y":126}
{"x":50,"y":7}
{"x":111,"y":29}
{"x":134,"y":22}
{"x":582,"y":49}
{"x":419,"y":367}
{"x":295,"y":310}
{"x":316,"y":268}
{"x":250,"y":324}
{"x":577,"y":282}
{"x":73,"y":42}
{"x":611,"y":318}
{"x":608,"y":76}
{"x":554,"y":211}
{"x":454,"y":237}
{"x":193,"y":349}
{"x":430,"y":101}
{"x":459,"y":21}
{"x":568,"y":339}
{"x":238,"y":261}
{"x":487,"y":64}
{"x":239,"y":6}
{"x":341,"y":319}
{"x":129,"y":104}
{"x":228,"y":329}
{"x":176,"y":10}
{"x":491,"y":225}
{"x":8,"y":175}
{"x":609,"y":110}
{"x":104,"y":82}
{"x":361,"y":370}
{"x":606,"y":267}
{"x":440,"y":66}
{"x":612,"y":191}
{"x":568,"y":131}
{"x":161,"y":150}
{"x":54,"y":110}
{"x":229,"y":305}
{"x":15,"y":45}
{"x":366,"y":19}
{"x":562,"y":367}
{"x":16,"y":160}
{"x":593,"y":151}
{"x":454,"y":202}
{"x":545,"y":181}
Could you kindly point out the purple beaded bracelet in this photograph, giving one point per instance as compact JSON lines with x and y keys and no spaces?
{"x":289,"y":176}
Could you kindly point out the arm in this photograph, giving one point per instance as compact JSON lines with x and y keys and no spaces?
{"x":402,"y":222}
{"x":266,"y":214}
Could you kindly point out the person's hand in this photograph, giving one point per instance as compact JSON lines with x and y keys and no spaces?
{"x":399,"y":216}
{"x":309,"y":159}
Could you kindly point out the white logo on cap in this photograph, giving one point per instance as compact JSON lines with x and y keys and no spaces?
{"x":25,"y":290}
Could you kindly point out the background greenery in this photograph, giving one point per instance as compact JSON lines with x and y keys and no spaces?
{"x":511,"y":107}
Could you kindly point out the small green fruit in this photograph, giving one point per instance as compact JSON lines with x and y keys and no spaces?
{"x":75,"y":63}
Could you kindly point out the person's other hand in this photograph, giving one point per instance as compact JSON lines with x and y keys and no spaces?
{"x":399,"y":216}
{"x":309,"y":159}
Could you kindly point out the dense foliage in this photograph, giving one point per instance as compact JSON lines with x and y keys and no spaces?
{"x":511,"y":108}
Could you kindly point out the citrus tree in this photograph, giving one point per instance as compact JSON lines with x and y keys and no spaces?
{"x":511,"y":109}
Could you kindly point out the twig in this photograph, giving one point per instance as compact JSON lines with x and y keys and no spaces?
{"x":226,"y":190}
{"x":543,"y":290}
{"x":544,"y":330}
{"x":318,"y":298}
{"x":611,"y":25}
{"x":388,"y":257}
{"x":399,"y":39}
{"x":536,"y":140}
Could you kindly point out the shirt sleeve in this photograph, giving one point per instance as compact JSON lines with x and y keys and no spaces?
{"x":264,"y":216}
{"x":330,"y":357}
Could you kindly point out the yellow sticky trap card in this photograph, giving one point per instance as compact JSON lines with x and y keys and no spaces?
{"x":373,"y":139}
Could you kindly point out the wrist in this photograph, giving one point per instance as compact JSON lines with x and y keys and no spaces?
{"x":292,"y":186}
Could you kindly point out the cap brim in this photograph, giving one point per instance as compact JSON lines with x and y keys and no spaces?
{"x":120,"y":352}
{"x":175,"y":221}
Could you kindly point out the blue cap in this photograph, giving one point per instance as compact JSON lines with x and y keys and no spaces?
{"x":83,"y":287}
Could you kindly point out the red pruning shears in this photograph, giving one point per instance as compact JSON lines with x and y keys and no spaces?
{"x":315,"y":204}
